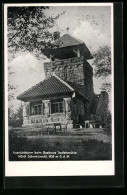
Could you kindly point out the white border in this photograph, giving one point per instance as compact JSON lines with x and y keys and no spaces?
{"x":56,"y":168}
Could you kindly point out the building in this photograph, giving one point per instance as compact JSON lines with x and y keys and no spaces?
{"x":66,"y":95}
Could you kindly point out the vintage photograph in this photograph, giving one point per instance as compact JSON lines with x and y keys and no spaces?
{"x":59,"y":82}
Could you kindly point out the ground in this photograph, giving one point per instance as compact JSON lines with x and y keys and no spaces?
{"x":77,"y":144}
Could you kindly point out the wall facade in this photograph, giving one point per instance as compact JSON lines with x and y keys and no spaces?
{"x":79,"y":113}
{"x":52,"y":118}
{"x":67,"y":69}
{"x":46,"y":116}
{"x":76,"y":70}
{"x":88,"y":80}
{"x":73,"y":113}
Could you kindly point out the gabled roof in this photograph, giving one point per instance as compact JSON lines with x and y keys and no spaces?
{"x":67,"y":40}
{"x":48,"y":87}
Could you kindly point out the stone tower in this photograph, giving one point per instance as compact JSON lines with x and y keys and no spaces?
{"x":69,"y":61}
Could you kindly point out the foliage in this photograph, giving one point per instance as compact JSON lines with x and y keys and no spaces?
{"x":15,"y":118}
{"x":104,"y":119}
{"x":102,"y":63}
{"x":106,"y":86}
{"x":11,"y":87}
{"x":29,"y":29}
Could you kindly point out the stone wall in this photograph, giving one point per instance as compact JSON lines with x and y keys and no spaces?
{"x":73,"y":113}
{"x":88,"y":80}
{"x":76,"y":70}
{"x":47,"y":117}
{"x":40,"y":119}
{"x":67,"y":69}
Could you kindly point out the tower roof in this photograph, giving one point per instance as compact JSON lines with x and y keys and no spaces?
{"x":66,"y":46}
{"x":66,"y":41}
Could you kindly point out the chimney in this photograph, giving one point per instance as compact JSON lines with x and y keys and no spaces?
{"x":56,"y":35}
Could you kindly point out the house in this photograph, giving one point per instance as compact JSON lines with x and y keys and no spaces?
{"x":66,"y":94}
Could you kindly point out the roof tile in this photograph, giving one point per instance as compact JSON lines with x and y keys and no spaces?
{"x":67,"y":40}
{"x":49,"y":86}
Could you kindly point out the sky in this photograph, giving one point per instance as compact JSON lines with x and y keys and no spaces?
{"x":91,"y":24}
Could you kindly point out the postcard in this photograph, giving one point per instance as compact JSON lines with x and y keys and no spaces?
{"x":59,"y":89}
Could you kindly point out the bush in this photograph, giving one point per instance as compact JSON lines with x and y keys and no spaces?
{"x":15,"y":122}
{"x":15,"y":118}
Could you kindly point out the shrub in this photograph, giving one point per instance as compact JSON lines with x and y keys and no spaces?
{"x":15,"y":118}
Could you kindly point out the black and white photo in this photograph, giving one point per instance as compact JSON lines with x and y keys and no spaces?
{"x":59,"y":89}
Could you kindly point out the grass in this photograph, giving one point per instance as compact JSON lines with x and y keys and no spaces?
{"x":88,"y":147}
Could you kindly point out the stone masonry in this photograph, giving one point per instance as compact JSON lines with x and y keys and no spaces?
{"x":76,"y":70}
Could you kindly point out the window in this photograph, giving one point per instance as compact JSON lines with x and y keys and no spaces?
{"x":57,"y":107}
{"x":36,"y":109}
{"x":39,"y":109}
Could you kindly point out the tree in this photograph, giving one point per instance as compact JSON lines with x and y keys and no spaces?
{"x":102,"y":63}
{"x":16,"y":118}
{"x":29,"y":29}
{"x":11,"y":87}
